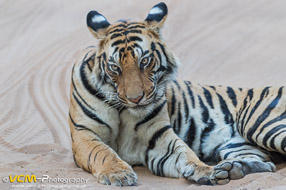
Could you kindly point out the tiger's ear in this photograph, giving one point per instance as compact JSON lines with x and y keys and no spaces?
{"x":157,"y":16}
{"x":97,"y":24}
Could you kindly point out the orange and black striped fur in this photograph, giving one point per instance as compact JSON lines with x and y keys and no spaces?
{"x":127,"y":109}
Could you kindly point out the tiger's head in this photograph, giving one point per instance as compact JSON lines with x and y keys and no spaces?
{"x":132,"y":56}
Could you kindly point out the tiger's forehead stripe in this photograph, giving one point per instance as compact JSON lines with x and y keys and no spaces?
{"x":125,"y":32}
{"x":118,"y":26}
{"x":125,"y":40}
{"x":123,"y":26}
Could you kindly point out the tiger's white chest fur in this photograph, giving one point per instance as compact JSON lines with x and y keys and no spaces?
{"x":130,"y":147}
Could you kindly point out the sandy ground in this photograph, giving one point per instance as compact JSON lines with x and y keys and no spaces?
{"x":240,"y":43}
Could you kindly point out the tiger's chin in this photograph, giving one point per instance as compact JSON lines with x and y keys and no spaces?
{"x":144,"y":108}
{"x":141,"y":110}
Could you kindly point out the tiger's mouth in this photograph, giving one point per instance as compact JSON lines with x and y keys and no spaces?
{"x":146,"y":100}
{"x":140,"y":105}
{"x":137,"y":107}
{"x":140,"y":110}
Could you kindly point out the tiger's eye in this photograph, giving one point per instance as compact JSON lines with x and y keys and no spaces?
{"x":114,"y":67}
{"x":145,"y":61}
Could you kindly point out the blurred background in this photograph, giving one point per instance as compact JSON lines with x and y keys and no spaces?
{"x":240,"y":43}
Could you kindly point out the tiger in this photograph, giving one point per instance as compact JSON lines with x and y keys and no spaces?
{"x":128,"y":108}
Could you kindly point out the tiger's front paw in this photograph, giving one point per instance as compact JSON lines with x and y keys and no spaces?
{"x":236,"y":169}
{"x":198,"y":174}
{"x":120,"y":174}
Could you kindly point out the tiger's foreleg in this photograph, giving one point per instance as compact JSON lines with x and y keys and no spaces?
{"x":91,"y":148}
{"x":169,"y":156}
{"x":94,"y":156}
{"x":91,"y":154}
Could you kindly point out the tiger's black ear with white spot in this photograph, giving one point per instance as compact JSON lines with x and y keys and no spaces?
{"x":97,"y":24}
{"x":157,"y":16}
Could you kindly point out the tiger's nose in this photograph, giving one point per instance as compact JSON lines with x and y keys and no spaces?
{"x":137,"y":99}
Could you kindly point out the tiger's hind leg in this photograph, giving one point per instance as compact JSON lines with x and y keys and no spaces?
{"x":238,"y":159}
